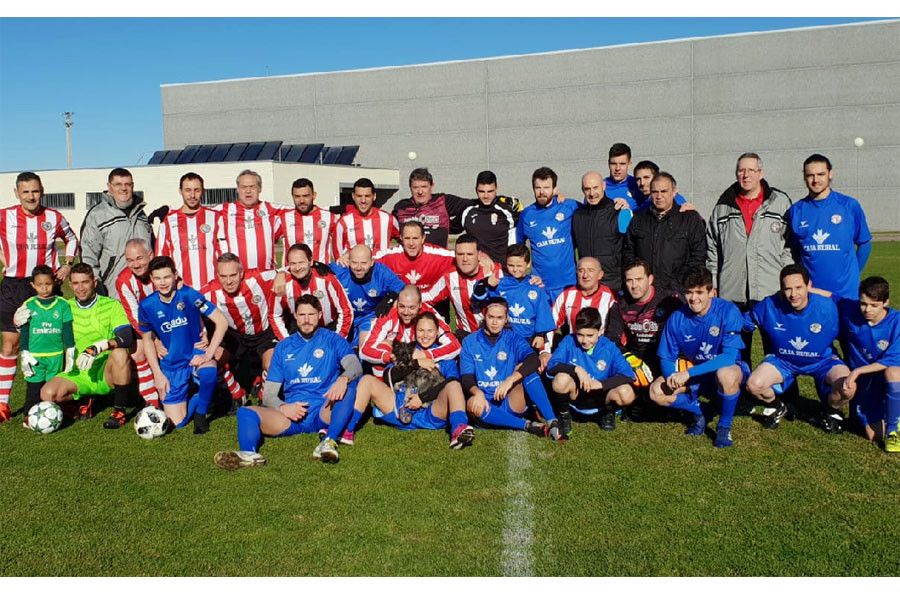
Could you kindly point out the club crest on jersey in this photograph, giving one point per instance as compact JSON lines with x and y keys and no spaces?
{"x":179,"y":306}
{"x":319,"y":294}
{"x":493,"y":218}
{"x":263,"y":213}
{"x":46,"y":226}
{"x":257,"y":299}
{"x":372,"y":292}
{"x":205,"y":228}
{"x":883,"y":344}
{"x":560,"y":216}
{"x":532,"y":295}
{"x":836,"y":219}
{"x":815,"y":327}
{"x":318,"y":353}
{"x":56,"y":315}
{"x":601,"y":365}
{"x":501,"y":356}
{"x":714,"y":331}
{"x":322,"y":224}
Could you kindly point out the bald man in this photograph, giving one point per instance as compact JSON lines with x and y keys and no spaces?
{"x":598,"y":228}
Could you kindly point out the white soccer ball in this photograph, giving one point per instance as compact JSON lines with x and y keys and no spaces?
{"x":412,"y":155}
{"x":150,"y":423}
{"x":45,"y":417}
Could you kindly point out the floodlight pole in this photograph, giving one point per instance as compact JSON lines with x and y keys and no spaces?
{"x":69,"y":125}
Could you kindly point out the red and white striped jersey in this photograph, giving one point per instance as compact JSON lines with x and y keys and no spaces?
{"x":458,"y":289}
{"x":375,"y":230}
{"x":251,"y":233}
{"x":424,"y":270}
{"x":570,"y":302}
{"x":248,"y":309}
{"x":379,"y":344}
{"x":131,"y":291}
{"x":316,"y":230}
{"x":190,"y":240}
{"x":29,"y":240}
{"x":332,"y":295}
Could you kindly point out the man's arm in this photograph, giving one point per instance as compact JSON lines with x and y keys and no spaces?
{"x":697,"y":239}
{"x":344,"y":322}
{"x":65,"y":232}
{"x":712,"y":247}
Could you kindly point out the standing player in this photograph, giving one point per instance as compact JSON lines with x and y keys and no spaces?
{"x":799,"y":328}
{"x":48,"y":343}
{"x":307,"y":223}
{"x":364,"y":223}
{"x":414,"y":261}
{"x":588,"y":293}
{"x":319,"y":373}
{"x":439,"y":214}
{"x":175,"y":316}
{"x":598,"y":229}
{"x":489,"y":220}
{"x":28,"y":234}
{"x":828,"y":232}
{"x":706,"y":333}
{"x":188,"y":235}
{"x":249,"y":227}
{"x":620,"y":186}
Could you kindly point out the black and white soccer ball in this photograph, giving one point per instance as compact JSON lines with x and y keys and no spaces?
{"x":151,"y":422}
{"x":45,"y":417}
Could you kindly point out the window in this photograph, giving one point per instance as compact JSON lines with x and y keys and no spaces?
{"x":218,"y":196}
{"x":59,"y":200}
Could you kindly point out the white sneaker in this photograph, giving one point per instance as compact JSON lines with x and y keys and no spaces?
{"x":326,"y":451}
{"x":235,"y":459}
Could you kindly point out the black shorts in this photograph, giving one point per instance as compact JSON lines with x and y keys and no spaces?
{"x":13,"y":293}
{"x":239,"y":346}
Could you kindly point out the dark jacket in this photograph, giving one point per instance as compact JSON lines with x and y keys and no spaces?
{"x":493,"y":225}
{"x":595,"y":232}
{"x":672,"y":244}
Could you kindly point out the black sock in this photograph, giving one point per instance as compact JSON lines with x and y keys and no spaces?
{"x":560,"y":402}
{"x":32,"y":396}
{"x":120,"y":396}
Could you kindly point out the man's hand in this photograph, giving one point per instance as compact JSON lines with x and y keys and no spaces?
{"x":544,"y":356}
{"x":162,"y":352}
{"x":487,"y":265}
{"x":344,"y":259}
{"x":504,"y":388}
{"x":279,"y":284}
{"x":337,"y":390}
{"x":678,"y":379}
{"x":584,"y":379}
{"x":294,"y":411}
{"x":62,"y":273}
{"x":688,"y":206}
{"x":427,"y":363}
{"x":201,"y":359}
{"x":28,"y":363}
{"x":413,"y":402}
{"x":620,"y":203}
{"x":162,"y":385}
{"x":849,"y":381}
{"x":90,"y":353}
{"x":535,"y":280}
{"x":21,"y":316}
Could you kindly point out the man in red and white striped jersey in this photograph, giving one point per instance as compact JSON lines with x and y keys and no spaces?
{"x":589,"y":292}
{"x":308,"y":224}
{"x":318,"y":280}
{"x":456,"y":285}
{"x":414,"y":261}
{"x":398,"y":324}
{"x":364,"y":223}
{"x":188,"y":235}
{"x":28,"y":234}
{"x":250,"y":227}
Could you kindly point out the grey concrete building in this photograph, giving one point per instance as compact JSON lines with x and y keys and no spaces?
{"x":691,"y":105}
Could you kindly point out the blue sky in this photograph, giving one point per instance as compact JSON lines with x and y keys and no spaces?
{"x":108,"y":70}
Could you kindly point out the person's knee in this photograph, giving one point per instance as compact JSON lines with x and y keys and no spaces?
{"x":562,"y":384}
{"x":756,"y":385}
{"x":623,"y":395}
{"x":729,"y":379}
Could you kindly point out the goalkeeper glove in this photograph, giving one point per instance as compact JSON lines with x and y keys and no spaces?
{"x":87,"y":357}
{"x":28,"y":364}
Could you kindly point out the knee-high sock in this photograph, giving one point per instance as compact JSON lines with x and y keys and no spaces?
{"x":7,"y":373}
{"x":32,"y":396}
{"x":204,"y":395}
{"x":538,"y":395}
{"x":341,"y":414}
{"x":235,"y":389}
{"x":249,"y":433}
{"x":354,"y":419}
{"x":120,"y":396}
{"x":457,"y":418}
{"x":892,"y":412}
{"x":146,"y":386}
{"x":729,"y":404}
{"x":561,"y":402}
{"x":499,"y":417}
{"x":683,"y":401}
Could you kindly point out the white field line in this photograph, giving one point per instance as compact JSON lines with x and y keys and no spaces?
{"x":518,"y":516}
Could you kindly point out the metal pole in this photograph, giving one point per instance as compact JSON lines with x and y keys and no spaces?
{"x":69,"y":124}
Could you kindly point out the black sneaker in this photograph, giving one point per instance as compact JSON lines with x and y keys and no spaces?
{"x":565,"y":423}
{"x":116,"y":420}
{"x":537,"y":428}
{"x":608,"y":421}
{"x":832,"y":423}
{"x":772,"y":421}
{"x":201,"y":424}
{"x":555,"y":433}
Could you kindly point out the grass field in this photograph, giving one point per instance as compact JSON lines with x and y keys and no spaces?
{"x":643,"y":500}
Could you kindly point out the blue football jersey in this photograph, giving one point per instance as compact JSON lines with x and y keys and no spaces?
{"x":799,"y":338}
{"x":530,"y":308}
{"x":365,"y":296}
{"x":700,"y":338}
{"x":603,"y":361}
{"x":627,"y":189}
{"x":826,"y":232}
{"x":549,"y":232}
{"x":178,"y":324}
{"x":492,"y":364}
{"x":308,"y":367}
{"x":869,"y":344}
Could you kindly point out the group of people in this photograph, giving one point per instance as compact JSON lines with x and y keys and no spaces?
{"x":658,"y":308}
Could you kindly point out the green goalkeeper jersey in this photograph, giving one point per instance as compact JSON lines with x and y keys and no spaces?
{"x":49,"y":329}
{"x":96,"y":322}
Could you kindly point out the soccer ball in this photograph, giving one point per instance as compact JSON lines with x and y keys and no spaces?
{"x":150,"y":423}
{"x":45,"y":417}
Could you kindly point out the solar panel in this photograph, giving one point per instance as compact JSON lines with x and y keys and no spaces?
{"x":347,"y":155}
{"x":293,"y":155}
{"x":235,"y":152}
{"x":157,"y":158}
{"x":269,"y":150}
{"x":219,"y":152}
{"x":187,"y":156}
{"x":171,"y":157}
{"x":330,"y":156}
{"x":203,"y":153}
{"x":311,"y":153}
{"x":251,"y":153}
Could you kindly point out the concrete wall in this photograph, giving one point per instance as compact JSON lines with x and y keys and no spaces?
{"x":692,"y":106}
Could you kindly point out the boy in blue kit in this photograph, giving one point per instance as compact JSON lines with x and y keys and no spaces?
{"x":492,"y":364}
{"x":871,"y":331}
{"x":706,"y":332}
{"x":828,"y":232}
{"x":175,"y":316}
{"x":547,"y":226}
{"x":589,"y":374}
{"x":319,"y":373}
{"x":799,"y":328}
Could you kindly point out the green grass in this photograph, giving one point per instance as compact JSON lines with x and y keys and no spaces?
{"x":644,"y":500}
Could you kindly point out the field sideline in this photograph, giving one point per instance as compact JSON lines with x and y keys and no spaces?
{"x":643,"y":500}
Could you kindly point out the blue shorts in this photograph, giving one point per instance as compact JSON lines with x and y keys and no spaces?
{"x":870,"y":403}
{"x":310,"y":424}
{"x":789,"y":372}
{"x":180,"y":377}
{"x":504,"y":405}
{"x":707,"y":384}
{"x":422,"y":418}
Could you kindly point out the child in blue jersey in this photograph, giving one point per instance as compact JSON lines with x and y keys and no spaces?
{"x":175,"y":316}
{"x":828,"y":232}
{"x":547,"y":226}
{"x":441,"y":407}
{"x":871,"y":331}
{"x":589,"y":374}
{"x":319,"y":373}
{"x":492,"y":364}
{"x":706,"y":333}
{"x":798,"y":327}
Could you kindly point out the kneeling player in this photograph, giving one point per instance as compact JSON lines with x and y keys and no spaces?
{"x":175,"y":316}
{"x":589,"y":374}
{"x":493,"y":362}
{"x":871,"y":330}
{"x":707,"y":333}
{"x":317,"y":394}
{"x":406,"y":409}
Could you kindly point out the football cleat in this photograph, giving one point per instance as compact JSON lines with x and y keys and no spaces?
{"x":327,"y":451}
{"x":697,"y":427}
{"x":608,"y":421}
{"x":565,"y":423}
{"x":892,"y":442}
{"x":537,"y":428}
{"x":85,"y":411}
{"x":723,"y":438}
{"x":773,"y":419}
{"x":116,"y":420}
{"x":347,"y":438}
{"x":235,"y":459}
{"x":555,"y":433}
{"x":6,"y":412}
{"x":832,"y":423}
{"x":462,"y":436}
{"x":201,"y":424}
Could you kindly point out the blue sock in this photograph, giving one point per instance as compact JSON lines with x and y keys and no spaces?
{"x":354,"y":419}
{"x":683,"y":401}
{"x":249,"y":433}
{"x":204,"y":395}
{"x":458,"y":417}
{"x":341,"y":414}
{"x":892,"y":413}
{"x":729,"y":404}
{"x":538,"y":395}
{"x":499,"y":417}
